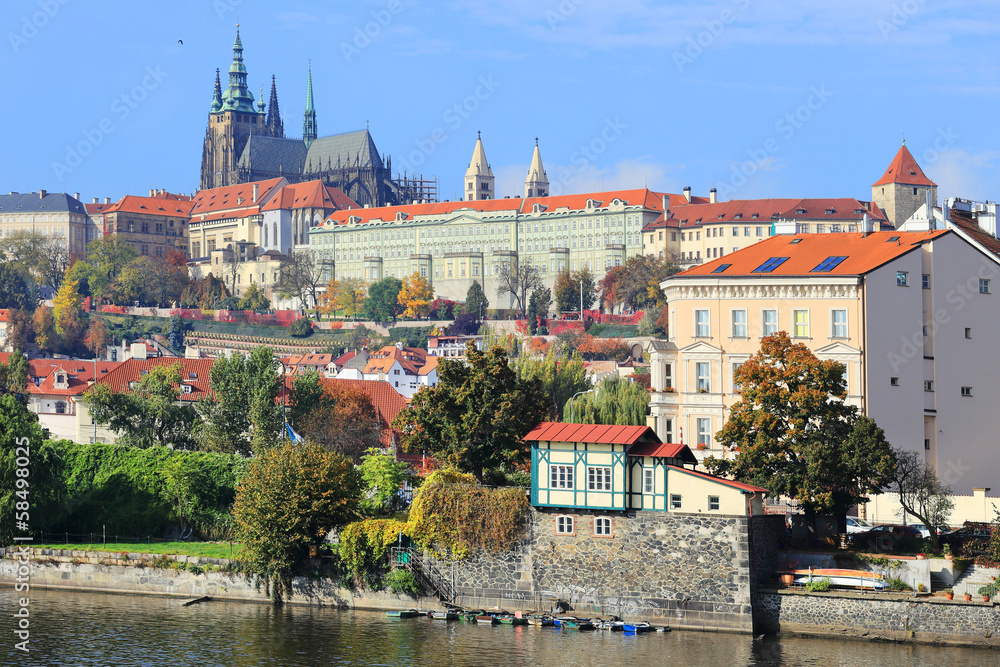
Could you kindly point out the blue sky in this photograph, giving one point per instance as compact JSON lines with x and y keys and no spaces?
{"x":755,"y":97}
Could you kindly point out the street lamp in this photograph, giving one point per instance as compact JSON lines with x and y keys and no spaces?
{"x":587,"y":391}
{"x":284,"y":416}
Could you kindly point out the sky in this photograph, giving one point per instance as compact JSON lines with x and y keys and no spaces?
{"x":757,"y":98}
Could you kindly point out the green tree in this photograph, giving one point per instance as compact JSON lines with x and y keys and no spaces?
{"x":40,"y":487}
{"x":81,"y":272}
{"x":476,"y":302}
{"x":615,"y":400}
{"x":14,"y":375}
{"x":287,"y":501}
{"x":921,"y":493}
{"x":244,"y":416}
{"x":540,"y":303}
{"x":636,"y":285}
{"x":382,"y":476}
{"x":560,"y":376}
{"x":130,"y":285}
{"x":307,"y":396}
{"x":148,"y":415}
{"x":253,"y":299}
{"x":382,"y":303}
{"x":20,"y":329}
{"x":794,"y":435}
{"x":17,"y":288}
{"x":175,"y":338}
{"x":108,"y":255}
{"x":477,"y":415}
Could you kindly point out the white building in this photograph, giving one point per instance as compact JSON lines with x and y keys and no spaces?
{"x":406,"y":369}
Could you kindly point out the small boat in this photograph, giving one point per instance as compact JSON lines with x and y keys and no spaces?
{"x":511,"y":619}
{"x":616,"y":626}
{"x":441,"y":615}
{"x":578,"y":624}
{"x":638,"y":627}
{"x":543,"y":620}
{"x":486,"y":619}
{"x":403,"y":613}
{"x":840,"y":577}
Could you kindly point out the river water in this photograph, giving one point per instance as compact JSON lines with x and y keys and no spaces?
{"x":70,"y":628}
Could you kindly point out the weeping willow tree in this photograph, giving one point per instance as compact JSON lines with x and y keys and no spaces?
{"x":561,"y":376}
{"x":616,"y":401}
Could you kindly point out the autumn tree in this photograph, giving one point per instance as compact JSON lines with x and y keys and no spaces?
{"x":793,"y":433}
{"x":148,"y":414}
{"x":560,"y":377}
{"x":20,"y":329}
{"x":335,"y":416}
{"x":329,"y":300}
{"x":476,"y":302}
{"x":636,"y":285}
{"x":477,"y":415}
{"x":921,"y":493}
{"x":44,"y":325}
{"x":382,"y":303}
{"x":67,"y":312}
{"x":415,"y":296}
{"x":130,"y":286}
{"x":204,"y":293}
{"x":353,"y":292}
{"x":290,"y":497}
{"x":568,"y":287}
{"x":518,"y":280}
{"x":611,"y":292}
{"x":97,"y":337}
{"x":253,"y":299}
{"x":166,"y":277}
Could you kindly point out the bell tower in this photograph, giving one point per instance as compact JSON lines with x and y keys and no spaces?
{"x":479,"y":179}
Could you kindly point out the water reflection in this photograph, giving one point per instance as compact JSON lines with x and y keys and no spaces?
{"x":96,"y":629}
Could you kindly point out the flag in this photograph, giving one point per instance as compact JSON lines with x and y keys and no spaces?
{"x":293,"y":436}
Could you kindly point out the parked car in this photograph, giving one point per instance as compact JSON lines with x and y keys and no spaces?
{"x":856,"y":525}
{"x":926,"y":533}
{"x":883,"y":536}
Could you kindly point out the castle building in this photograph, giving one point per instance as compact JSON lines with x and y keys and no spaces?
{"x":903,"y":188}
{"x":58,"y":215}
{"x":153,"y":225}
{"x":245,"y":142}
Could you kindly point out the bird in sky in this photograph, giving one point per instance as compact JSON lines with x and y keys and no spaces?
{"x":180,"y":41}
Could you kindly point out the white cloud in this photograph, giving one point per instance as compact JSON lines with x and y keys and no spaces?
{"x":959,"y":173}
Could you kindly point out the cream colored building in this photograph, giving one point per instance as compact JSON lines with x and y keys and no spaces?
{"x":57,"y":215}
{"x":912,"y":317}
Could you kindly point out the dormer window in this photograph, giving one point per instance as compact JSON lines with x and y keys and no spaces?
{"x":185,"y":389}
{"x":800,"y":211}
{"x":830,"y":211}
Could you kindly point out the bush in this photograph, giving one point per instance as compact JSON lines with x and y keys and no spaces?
{"x":819,"y":585}
{"x":300,"y":328}
{"x":402,"y":582}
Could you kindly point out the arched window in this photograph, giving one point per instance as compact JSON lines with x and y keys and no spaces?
{"x":275,"y":229}
{"x":60,"y":408}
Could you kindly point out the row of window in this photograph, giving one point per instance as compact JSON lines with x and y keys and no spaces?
{"x":598,"y":477}
{"x":566,"y":525}
{"x":929,"y":386}
{"x":769,"y":323}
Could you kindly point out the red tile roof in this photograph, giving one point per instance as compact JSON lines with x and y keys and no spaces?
{"x":387,"y":401}
{"x":132,"y":371}
{"x":728,"y":482}
{"x":413,"y":360}
{"x":965,"y":222}
{"x":4,"y":315}
{"x":742,"y":212}
{"x":151,"y":206}
{"x":312,"y":194}
{"x":96,"y":208}
{"x":904,"y":170}
{"x":664,"y":450}
{"x":80,"y":375}
{"x":592,"y":433}
{"x":228,"y":197}
{"x":805,"y":252}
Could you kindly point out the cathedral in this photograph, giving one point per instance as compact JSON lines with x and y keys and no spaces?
{"x":246,"y":143}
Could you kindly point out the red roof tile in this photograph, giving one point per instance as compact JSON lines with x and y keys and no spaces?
{"x":664,"y":450}
{"x":312,"y":194}
{"x":905,"y":170}
{"x":591,"y":433}
{"x":804,"y":252}
{"x":228,"y":197}
{"x":728,"y":482}
{"x":965,"y":222}
{"x":80,"y":375}
{"x":743,"y":212}
{"x":4,"y":315}
{"x":151,"y":206}
{"x":132,"y":371}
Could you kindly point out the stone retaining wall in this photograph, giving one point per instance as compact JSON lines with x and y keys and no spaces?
{"x":899,"y":618}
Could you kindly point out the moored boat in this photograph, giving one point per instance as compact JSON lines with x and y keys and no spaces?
{"x":486,"y":619}
{"x":643,"y":626}
{"x":402,"y":613}
{"x":578,"y":624}
{"x":541,"y":620}
{"x":443,"y":615}
{"x":840,"y":577}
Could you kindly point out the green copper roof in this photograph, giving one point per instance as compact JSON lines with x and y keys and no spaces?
{"x":309,"y":122}
{"x":237,"y":97}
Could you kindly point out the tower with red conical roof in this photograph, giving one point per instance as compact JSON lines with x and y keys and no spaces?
{"x":903,"y":188}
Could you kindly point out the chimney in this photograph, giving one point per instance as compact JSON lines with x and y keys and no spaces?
{"x":864,"y":226}
{"x":151,"y":192}
{"x":713,"y":196}
{"x":41,"y":194}
{"x":95,"y":200}
{"x":107,"y":200}
{"x":687,"y":193}
{"x":76,"y":196}
{"x":666,"y":207}
{"x":256,"y":192}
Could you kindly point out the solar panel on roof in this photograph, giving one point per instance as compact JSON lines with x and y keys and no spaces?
{"x":770,"y":265}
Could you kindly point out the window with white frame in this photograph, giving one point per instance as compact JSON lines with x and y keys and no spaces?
{"x":704,"y":425}
{"x":648,"y":480}
{"x":801,"y":321}
{"x":739,"y":323}
{"x":702,"y":328}
{"x":702,"y":374}
{"x":713,"y":503}
{"x":598,"y":478}
{"x":668,"y":430}
{"x":602,"y":526}
{"x":565,"y":525}
{"x":675,"y":501}
{"x":769,"y":322}
{"x":736,"y":367}
{"x":984,"y":286}
{"x":838,"y":323}
{"x":560,"y":477}
{"x":668,"y":376}
{"x":902,"y":278}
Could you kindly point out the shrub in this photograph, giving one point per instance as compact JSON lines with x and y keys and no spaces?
{"x":819,"y":585}
{"x":300,"y":328}
{"x":402,"y":582}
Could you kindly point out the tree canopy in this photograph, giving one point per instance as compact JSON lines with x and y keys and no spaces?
{"x":793,"y":434}
{"x":560,"y":376}
{"x":518,"y":282}
{"x":567,"y":289}
{"x":476,"y":302}
{"x":477,"y":415}
{"x":18,"y":289}
{"x":334,"y":416}
{"x":415,"y":296}
{"x":615,"y":400}
{"x":636,"y":285}
{"x":382,"y":304}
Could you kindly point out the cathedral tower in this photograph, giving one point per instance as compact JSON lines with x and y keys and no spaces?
{"x":309,"y":123}
{"x":537,"y":182}
{"x":275,"y":127}
{"x":479,"y":176}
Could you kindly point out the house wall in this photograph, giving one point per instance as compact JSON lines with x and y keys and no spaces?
{"x":979,"y":506}
{"x":580,"y":457}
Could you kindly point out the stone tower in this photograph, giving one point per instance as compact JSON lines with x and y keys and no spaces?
{"x":537,"y":182}
{"x":275,"y":127}
{"x":903,"y":188}
{"x":479,"y":176}
{"x":309,"y":122}
{"x":231,"y":121}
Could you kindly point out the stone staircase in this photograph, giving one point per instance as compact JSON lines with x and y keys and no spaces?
{"x":974,"y":578}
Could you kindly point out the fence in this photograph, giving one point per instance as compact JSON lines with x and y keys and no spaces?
{"x":45,"y":537}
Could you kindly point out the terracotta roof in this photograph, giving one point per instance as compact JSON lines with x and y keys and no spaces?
{"x":727,"y":482}
{"x":226,"y":198}
{"x":965,"y":222}
{"x":765,"y":211}
{"x":151,"y":206}
{"x":80,"y":375}
{"x":413,"y":360}
{"x":592,"y":433}
{"x":344,"y":358}
{"x":904,"y":170}
{"x":4,"y":315}
{"x":96,"y":208}
{"x":194,"y":372}
{"x":312,"y":194}
{"x":805,"y":252}
{"x":664,"y":450}
{"x":387,"y":401}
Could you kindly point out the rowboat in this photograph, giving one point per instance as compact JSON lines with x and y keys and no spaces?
{"x":510,"y":619}
{"x":638,"y":627}
{"x":543,"y":620}
{"x":577,"y":624}
{"x":486,"y":619}
{"x":840,"y":577}
{"x":444,"y":615}
{"x":402,"y":613}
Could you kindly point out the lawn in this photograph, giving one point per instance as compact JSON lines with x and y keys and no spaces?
{"x":207,"y":549}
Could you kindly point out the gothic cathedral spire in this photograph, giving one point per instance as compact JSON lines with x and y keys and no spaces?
{"x":217,"y":94}
{"x":237,"y":96}
{"x":274,"y":125}
{"x":309,"y":123}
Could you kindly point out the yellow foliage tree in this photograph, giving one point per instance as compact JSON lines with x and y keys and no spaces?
{"x":416,"y":296}
{"x":329,"y":300}
{"x":353,"y":292}
{"x":67,"y":313}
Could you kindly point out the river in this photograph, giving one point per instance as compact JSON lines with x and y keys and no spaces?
{"x":71,"y":628}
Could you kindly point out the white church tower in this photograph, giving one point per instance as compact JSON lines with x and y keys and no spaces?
{"x":479,"y":176}
{"x":537,"y":183}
